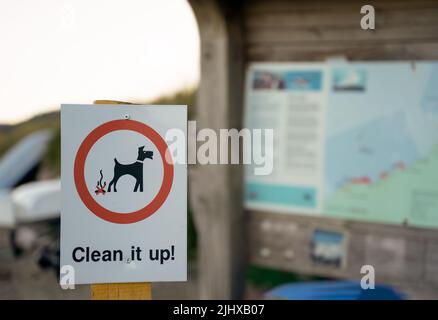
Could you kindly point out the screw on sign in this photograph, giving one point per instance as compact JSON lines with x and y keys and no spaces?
{"x":122,"y":190}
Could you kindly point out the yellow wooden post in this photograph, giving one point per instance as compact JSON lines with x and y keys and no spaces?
{"x":120,"y":291}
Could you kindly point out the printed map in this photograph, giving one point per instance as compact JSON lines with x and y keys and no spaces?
{"x":381,"y":154}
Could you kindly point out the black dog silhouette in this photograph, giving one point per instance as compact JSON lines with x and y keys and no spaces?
{"x":134,"y":169}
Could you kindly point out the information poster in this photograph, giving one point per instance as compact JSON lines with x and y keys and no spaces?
{"x":356,"y":141}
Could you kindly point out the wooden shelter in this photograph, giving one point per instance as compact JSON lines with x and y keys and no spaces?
{"x":236,"y":33}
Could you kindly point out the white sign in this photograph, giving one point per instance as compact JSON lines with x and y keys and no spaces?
{"x":124,"y":197}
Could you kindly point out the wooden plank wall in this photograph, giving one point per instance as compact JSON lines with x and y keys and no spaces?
{"x":314,"y":31}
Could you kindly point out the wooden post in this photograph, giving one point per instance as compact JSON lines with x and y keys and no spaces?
{"x":120,"y":291}
{"x":216,"y":190}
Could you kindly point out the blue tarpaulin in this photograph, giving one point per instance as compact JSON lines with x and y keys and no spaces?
{"x":333,"y":290}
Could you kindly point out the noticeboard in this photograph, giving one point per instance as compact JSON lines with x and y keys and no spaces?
{"x":356,"y":141}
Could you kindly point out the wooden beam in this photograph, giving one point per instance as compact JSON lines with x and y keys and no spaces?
{"x":121,"y":291}
{"x":216,"y":190}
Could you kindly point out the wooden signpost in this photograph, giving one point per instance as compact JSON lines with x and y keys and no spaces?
{"x":121,"y":291}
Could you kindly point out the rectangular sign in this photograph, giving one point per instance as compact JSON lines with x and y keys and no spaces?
{"x":354,"y":141}
{"x":328,"y":248}
{"x":291,"y":99}
{"x":124,"y":193}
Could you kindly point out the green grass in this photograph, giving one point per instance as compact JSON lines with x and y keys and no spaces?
{"x":184,"y":97}
{"x":269,"y":278}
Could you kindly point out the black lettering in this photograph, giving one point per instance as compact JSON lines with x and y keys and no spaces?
{"x":74,"y":254}
{"x":95,"y":255}
{"x":117,"y":255}
{"x":138,"y":251}
{"x":86,"y":254}
{"x":151,"y":255}
{"x":106,"y":255}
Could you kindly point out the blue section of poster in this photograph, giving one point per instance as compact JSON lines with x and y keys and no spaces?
{"x":281,"y":195}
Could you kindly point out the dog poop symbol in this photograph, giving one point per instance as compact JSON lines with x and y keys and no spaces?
{"x":100,"y":189}
{"x":134,"y":169}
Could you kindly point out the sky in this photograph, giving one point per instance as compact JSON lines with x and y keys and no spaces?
{"x":78,"y":51}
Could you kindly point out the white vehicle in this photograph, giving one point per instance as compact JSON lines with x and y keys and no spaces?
{"x":35,"y":208}
{"x":37,"y":201}
{"x":32,"y":210}
{"x":34,"y":201}
{"x":22,"y":158}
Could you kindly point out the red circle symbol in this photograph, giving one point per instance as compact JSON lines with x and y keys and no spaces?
{"x":79,"y":166}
